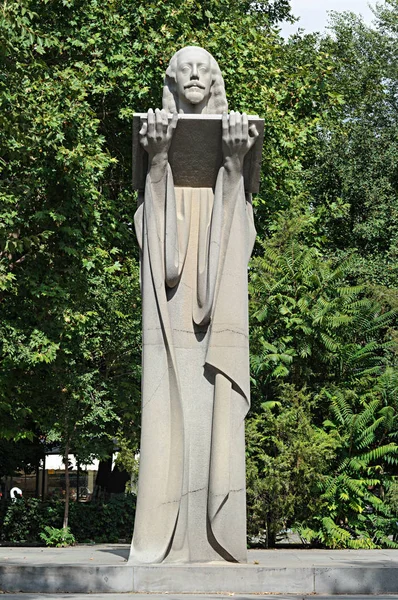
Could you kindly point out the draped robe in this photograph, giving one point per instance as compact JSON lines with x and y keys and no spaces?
{"x":195,"y":246}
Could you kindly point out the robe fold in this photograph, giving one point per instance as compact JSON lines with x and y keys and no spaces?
{"x":195,"y":246}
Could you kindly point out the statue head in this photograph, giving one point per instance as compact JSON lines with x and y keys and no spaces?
{"x":193,"y":83}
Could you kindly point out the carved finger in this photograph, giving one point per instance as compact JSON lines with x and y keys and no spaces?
{"x":165,"y":120}
{"x":143,"y":135}
{"x":232,"y":124}
{"x":238,"y":127}
{"x":253,"y":134}
{"x":159,"y":124}
{"x":245,"y":126}
{"x":151,"y":122}
{"x":173,"y":123}
{"x":225,"y":127}
{"x":142,"y":132}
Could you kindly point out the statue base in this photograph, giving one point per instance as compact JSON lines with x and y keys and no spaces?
{"x":104,"y":570}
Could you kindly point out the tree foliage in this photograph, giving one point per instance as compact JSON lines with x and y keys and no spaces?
{"x":331,"y":341}
{"x":354,"y":513}
{"x":286,"y":455}
{"x":323,"y":282}
{"x":353,"y":175}
{"x":324,"y":289}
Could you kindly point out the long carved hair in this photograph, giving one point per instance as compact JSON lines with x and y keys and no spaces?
{"x":217,"y":102}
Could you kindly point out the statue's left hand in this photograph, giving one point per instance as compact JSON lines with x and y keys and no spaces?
{"x":237,"y":137}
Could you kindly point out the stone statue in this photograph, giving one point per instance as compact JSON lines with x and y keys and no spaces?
{"x":195,"y":246}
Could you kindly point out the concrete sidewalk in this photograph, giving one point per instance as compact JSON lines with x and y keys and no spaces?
{"x":117,"y":555}
{"x":100,"y":569}
{"x":88,"y":554}
{"x":133,"y":596}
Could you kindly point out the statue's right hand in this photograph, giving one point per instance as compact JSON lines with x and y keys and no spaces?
{"x":156,"y":134}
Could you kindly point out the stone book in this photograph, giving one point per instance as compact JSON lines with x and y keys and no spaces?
{"x":195,"y":154}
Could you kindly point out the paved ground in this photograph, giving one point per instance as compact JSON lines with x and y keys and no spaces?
{"x":101,"y":554}
{"x":117,"y":554}
{"x":185,"y":597}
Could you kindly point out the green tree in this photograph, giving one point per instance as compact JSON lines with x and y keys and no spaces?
{"x":352,"y":169}
{"x":312,"y":329}
{"x":355,"y":510}
{"x":286,"y":455}
{"x":72,"y":74}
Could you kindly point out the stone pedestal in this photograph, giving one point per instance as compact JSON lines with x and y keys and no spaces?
{"x":102,"y":569}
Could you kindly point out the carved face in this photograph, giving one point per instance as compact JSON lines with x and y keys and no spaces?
{"x":193,"y":75}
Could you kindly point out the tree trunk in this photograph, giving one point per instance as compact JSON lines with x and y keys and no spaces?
{"x":78,"y":481}
{"x":37,"y":487}
{"x":43,"y":479}
{"x":67,"y":486}
{"x":269,"y":534}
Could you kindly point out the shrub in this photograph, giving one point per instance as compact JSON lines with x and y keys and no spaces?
{"x":286,"y":454}
{"x":25,"y":520}
{"x":103,"y":522}
{"x":60,"y":538}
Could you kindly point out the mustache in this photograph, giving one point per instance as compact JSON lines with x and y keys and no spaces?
{"x":195,"y":84}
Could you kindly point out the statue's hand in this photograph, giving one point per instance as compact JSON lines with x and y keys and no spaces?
{"x":156,"y":134}
{"x":237,"y":138}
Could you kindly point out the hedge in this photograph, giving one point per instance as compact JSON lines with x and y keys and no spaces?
{"x":22,"y":521}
